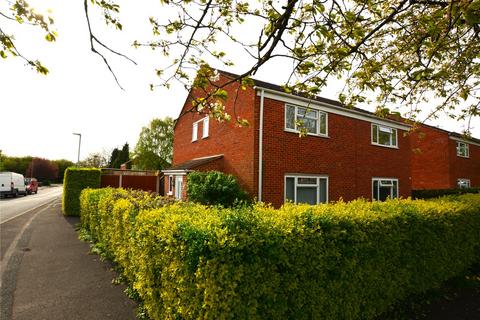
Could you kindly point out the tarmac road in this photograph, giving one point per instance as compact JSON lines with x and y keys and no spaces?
{"x":14,"y":207}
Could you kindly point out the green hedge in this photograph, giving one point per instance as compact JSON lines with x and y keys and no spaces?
{"x":214,"y":188}
{"x":74,"y":181}
{"x":339,"y":261}
{"x":436,"y":193}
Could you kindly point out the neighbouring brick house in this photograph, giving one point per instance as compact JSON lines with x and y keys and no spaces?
{"x":444,"y":160}
{"x":348,"y":153}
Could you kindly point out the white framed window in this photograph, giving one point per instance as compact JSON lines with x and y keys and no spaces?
{"x":463,"y":183}
{"x":306,"y":189}
{"x":205,"y":127}
{"x":383,"y":188}
{"x":314,"y":121}
{"x":205,"y":124}
{"x":195,"y":131}
{"x":463,"y":149}
{"x":384,"y":136}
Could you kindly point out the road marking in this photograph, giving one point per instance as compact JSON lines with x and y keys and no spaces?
{"x":29,"y":210}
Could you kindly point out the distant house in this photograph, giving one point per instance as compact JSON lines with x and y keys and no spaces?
{"x":443,"y":159}
{"x":348,"y":153}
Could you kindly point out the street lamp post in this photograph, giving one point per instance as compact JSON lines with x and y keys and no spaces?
{"x":79,"y":143}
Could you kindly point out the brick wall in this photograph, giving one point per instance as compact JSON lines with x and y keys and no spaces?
{"x":430,"y":159}
{"x":347,"y":157}
{"x":236,"y":143}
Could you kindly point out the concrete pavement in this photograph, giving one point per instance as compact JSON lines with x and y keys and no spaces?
{"x":47,"y":272}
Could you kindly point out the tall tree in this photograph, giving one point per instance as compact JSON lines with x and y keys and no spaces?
{"x":62,"y":165}
{"x":94,"y":160}
{"x":154,"y":149}
{"x":119,"y":157}
{"x":42,"y":169}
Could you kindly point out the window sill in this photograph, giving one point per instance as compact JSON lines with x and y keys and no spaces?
{"x":308,"y":134}
{"x":384,"y":146}
{"x":194,"y":141}
{"x":465,"y":157}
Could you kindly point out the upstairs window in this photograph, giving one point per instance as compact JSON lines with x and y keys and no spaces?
{"x":384,"y":188}
{"x":306,"y":189}
{"x":462,"y":149}
{"x":205,"y":124}
{"x":463,"y":183}
{"x":384,"y":136}
{"x":311,"y":120}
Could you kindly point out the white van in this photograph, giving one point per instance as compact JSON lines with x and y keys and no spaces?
{"x":12,"y":184}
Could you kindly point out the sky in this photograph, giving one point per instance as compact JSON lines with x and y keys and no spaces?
{"x":39,"y":114}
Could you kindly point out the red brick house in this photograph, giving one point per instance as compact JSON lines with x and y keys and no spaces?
{"x":444,"y":160}
{"x":348,"y":153}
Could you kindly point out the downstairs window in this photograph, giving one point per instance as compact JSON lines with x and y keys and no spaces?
{"x":306,"y":189}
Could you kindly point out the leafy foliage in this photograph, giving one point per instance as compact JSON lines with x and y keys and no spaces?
{"x":119,"y":157}
{"x":435,"y":193}
{"x":338,"y":261}
{"x":16,"y":164}
{"x":394,"y":52}
{"x":77,"y":179}
{"x":154,"y":149}
{"x":214,"y":188}
{"x":42,"y":169}
{"x":21,"y":12}
{"x":62,"y":165}
{"x":95,"y":160}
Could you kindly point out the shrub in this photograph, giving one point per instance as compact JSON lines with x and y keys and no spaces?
{"x":75,"y":180}
{"x":214,"y":188}
{"x":436,"y":193}
{"x":339,"y":261}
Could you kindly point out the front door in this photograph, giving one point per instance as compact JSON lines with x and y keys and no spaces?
{"x":178,"y":187}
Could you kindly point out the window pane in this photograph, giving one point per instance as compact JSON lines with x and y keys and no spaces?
{"x":385,"y":129}
{"x":386,"y":182}
{"x":463,"y":183}
{"x":323,"y":190}
{"x":290,"y":117}
{"x":394,"y":137}
{"x":375,"y":190}
{"x":194,"y":131}
{"x":395,"y":189}
{"x":305,"y":112}
{"x":310,"y":125}
{"x":304,"y":180}
{"x":385,"y":193}
{"x":307,"y":195}
{"x":205,"y":127}
{"x":290,"y":189}
{"x":323,"y":123}
{"x":375,"y":133}
{"x":384,"y":138}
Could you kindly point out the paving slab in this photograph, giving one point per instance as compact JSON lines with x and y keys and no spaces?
{"x":53,"y":276}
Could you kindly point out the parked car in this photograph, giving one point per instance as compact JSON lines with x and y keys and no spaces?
{"x":12,"y":184}
{"x":31,"y":185}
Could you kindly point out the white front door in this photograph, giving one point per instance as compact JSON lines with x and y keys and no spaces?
{"x":178,"y":187}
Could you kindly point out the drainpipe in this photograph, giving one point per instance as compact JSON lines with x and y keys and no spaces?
{"x":260,"y":148}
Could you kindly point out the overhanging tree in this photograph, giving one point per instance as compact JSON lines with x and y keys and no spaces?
{"x":389,"y":52}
